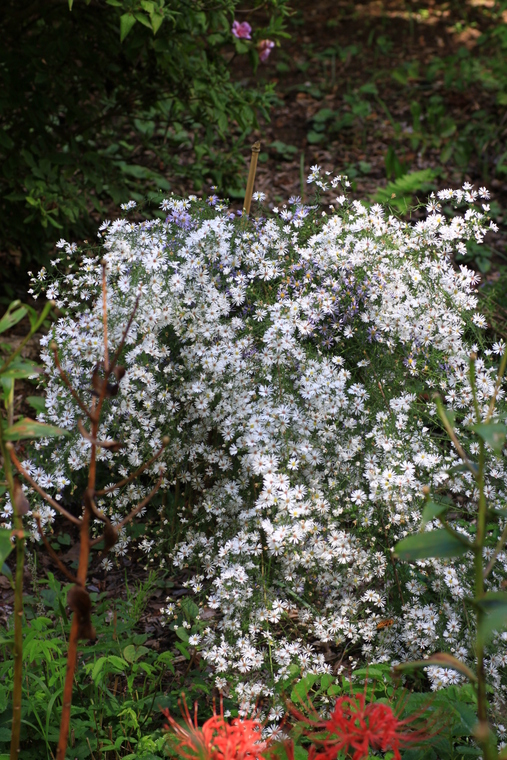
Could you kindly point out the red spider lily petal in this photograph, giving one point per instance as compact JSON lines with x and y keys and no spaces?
{"x":355,"y":726}
{"x":218,"y":739}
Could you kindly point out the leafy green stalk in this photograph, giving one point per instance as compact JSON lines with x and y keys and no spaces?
{"x":490,"y":607}
{"x":9,"y":371}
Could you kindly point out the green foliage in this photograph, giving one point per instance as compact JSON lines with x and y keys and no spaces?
{"x":110,"y":100}
{"x":399,"y":193}
{"x":121,"y":682}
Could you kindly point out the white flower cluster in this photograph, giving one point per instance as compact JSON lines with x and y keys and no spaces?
{"x":292,"y":362}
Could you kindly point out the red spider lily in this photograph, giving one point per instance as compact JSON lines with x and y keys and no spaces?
{"x":217,"y":739}
{"x":355,"y":726}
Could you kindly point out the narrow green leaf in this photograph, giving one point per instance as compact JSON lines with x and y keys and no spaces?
{"x":127,"y":21}
{"x":27,"y":428}
{"x":493,"y":433}
{"x":11,"y":318}
{"x":6,"y":545}
{"x":435,"y":543}
{"x":5,"y":570}
{"x":71,"y":3}
{"x":494,"y":605}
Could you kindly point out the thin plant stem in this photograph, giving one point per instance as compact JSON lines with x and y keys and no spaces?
{"x":36,"y":487}
{"x":18,"y":608}
{"x":85,"y":543}
{"x":482,"y":703}
{"x":256,"y":149}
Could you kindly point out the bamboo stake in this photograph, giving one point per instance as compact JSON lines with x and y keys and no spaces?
{"x":256,"y":149}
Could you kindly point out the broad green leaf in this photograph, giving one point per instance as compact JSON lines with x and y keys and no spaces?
{"x":441,"y":660}
{"x":6,"y":545}
{"x":432,"y":510}
{"x":143,"y":19}
{"x":10,"y":318}
{"x":27,"y":428}
{"x":20,"y":368}
{"x":127,"y":21}
{"x":129,"y":653}
{"x":493,"y":433}
{"x":182,"y":634}
{"x":326,"y":681}
{"x":156,"y":21}
{"x":190,"y":607}
{"x":435,"y":543}
{"x":301,"y":690}
{"x":38,"y":403}
{"x":494,"y":605}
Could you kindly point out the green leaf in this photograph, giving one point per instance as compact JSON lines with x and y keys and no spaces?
{"x":6,"y":545}
{"x":38,"y":403}
{"x":127,"y":21}
{"x":492,"y":433}
{"x":5,"y":570}
{"x":494,"y":605}
{"x":142,"y":19}
{"x":20,"y":368}
{"x":406,"y":185}
{"x":432,"y":510}
{"x":11,"y":318}
{"x":441,"y":660}
{"x":156,"y":21}
{"x":301,"y":690}
{"x":435,"y":543}
{"x":71,"y":3}
{"x":129,"y":653}
{"x":27,"y":428}
{"x":182,"y":634}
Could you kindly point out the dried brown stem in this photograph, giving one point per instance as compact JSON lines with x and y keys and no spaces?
{"x":19,"y":467}
{"x":111,"y":445}
{"x":104,"y":316}
{"x":134,"y":512}
{"x":256,"y":148}
{"x":124,"y":336}
{"x":53,"y":346}
{"x":52,"y":552}
{"x":132,"y":477}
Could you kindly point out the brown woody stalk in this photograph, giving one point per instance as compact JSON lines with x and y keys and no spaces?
{"x":256,"y":149}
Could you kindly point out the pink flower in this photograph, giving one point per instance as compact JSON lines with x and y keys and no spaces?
{"x":242,"y":31}
{"x":265,"y":47}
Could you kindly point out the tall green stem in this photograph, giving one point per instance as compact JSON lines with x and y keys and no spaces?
{"x":18,"y":605}
{"x":482,"y":703}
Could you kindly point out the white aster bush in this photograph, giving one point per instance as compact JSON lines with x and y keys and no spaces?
{"x":292,"y":361}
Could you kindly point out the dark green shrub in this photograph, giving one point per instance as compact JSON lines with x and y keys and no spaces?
{"x":115,"y":98}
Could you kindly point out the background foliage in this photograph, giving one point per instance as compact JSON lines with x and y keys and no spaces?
{"x":113,"y":98}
